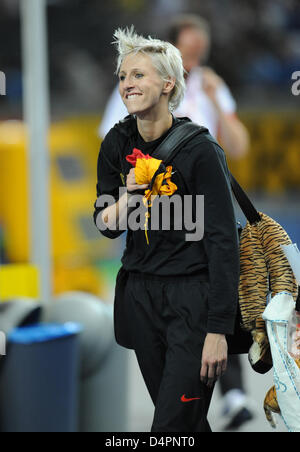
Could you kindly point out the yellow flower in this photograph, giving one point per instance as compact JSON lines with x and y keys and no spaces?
{"x":151,"y":171}
{"x":145,"y":170}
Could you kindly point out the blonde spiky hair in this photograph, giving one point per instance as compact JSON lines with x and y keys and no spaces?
{"x":166,"y":59}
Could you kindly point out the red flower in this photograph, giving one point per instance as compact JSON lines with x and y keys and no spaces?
{"x":137,"y":154}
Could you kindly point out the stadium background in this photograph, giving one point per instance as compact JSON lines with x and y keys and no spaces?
{"x":255,"y":48}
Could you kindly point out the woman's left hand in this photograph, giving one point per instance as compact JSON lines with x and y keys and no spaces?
{"x":214,"y":358}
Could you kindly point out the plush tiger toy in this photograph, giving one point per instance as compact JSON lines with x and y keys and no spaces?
{"x":264,"y":270}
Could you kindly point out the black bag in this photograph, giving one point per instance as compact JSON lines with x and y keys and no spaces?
{"x":121,"y":314}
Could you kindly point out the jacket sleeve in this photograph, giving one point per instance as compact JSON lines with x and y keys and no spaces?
{"x":211,"y":179}
{"x":108,"y":183}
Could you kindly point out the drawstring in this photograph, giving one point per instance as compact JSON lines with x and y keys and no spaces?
{"x":123,"y":173}
{"x":147,"y":216}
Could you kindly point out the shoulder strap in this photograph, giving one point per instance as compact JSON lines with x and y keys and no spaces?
{"x":180,"y":136}
{"x":244,"y":202}
{"x":176,"y":139}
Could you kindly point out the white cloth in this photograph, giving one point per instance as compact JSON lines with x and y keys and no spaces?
{"x":115,"y":110}
{"x":286,"y":371}
{"x":196,"y":105}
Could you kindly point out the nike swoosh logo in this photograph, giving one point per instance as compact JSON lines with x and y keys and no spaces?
{"x":184,"y":399}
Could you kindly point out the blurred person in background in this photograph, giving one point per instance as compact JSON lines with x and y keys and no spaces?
{"x":208,"y":102}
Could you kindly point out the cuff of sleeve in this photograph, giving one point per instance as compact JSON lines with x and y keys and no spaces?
{"x":110,"y":234}
{"x":224,"y":325}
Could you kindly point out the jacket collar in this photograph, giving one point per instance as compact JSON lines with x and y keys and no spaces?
{"x":128,"y":125}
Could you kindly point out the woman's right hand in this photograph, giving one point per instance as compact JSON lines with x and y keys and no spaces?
{"x":131,"y":183}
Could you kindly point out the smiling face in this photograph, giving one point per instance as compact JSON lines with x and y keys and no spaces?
{"x":142,"y":89}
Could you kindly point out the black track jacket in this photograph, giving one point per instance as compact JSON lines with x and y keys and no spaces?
{"x":199,"y":168}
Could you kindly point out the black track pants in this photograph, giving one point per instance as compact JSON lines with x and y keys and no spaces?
{"x":168,"y":317}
